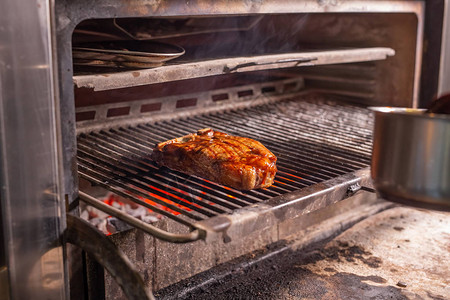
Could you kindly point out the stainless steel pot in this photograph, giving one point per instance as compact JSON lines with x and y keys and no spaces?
{"x":411,"y":157}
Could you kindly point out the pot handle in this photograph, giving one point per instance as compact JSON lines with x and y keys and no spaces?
{"x":82,"y":234}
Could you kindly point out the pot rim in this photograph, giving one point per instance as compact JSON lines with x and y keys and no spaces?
{"x":410,"y":112}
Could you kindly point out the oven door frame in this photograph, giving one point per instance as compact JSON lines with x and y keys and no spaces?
{"x":31,"y":195}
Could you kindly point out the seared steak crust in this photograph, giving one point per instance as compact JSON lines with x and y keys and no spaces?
{"x":238,"y":162}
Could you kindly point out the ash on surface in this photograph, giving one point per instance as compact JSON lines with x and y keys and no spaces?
{"x":363,"y":262}
{"x":288,"y":277}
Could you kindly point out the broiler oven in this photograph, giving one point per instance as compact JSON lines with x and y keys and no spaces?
{"x":79,"y":121}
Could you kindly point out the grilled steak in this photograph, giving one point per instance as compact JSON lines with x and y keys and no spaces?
{"x":238,"y":162}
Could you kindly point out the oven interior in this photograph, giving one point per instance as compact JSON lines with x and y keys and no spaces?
{"x":298,"y":83}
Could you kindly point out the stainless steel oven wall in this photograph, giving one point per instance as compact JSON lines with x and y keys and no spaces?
{"x":31,"y":202}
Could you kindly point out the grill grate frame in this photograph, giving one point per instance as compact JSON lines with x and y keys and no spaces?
{"x":314,"y":138}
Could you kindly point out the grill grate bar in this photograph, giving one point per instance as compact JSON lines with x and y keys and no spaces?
{"x":257,"y":194}
{"x":329,"y":154}
{"x":276,"y":189}
{"x":303,"y":165}
{"x":301,"y":177}
{"x":285,"y":165}
{"x":272,"y":115}
{"x":105,"y":184}
{"x":358,"y":114}
{"x":353,"y":115}
{"x":253,"y":197}
{"x":204,"y":184}
{"x":222,"y":189}
{"x":288,"y":183}
{"x":173,"y":180}
{"x":284,"y":142}
{"x":347,"y":137}
{"x":137,"y":188}
{"x":180,"y":132}
{"x":154,"y":185}
{"x":314,"y":141}
{"x":301,"y":160}
{"x":132,"y":139}
{"x":289,"y":125}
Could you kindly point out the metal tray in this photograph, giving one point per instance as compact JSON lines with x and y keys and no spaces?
{"x":115,"y":64}
{"x":125,"y":53}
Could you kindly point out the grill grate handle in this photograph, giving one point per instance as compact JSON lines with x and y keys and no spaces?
{"x":194,"y":235}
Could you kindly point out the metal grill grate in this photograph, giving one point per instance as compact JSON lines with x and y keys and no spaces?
{"x":314,"y":140}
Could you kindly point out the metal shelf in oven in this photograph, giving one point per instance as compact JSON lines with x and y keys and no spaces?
{"x":211,"y":67}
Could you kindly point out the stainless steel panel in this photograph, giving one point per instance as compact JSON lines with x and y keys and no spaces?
{"x":85,"y":9}
{"x":31,"y":198}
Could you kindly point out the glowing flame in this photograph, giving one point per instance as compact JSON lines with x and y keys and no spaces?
{"x":276,"y":181}
{"x":285,"y":178}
